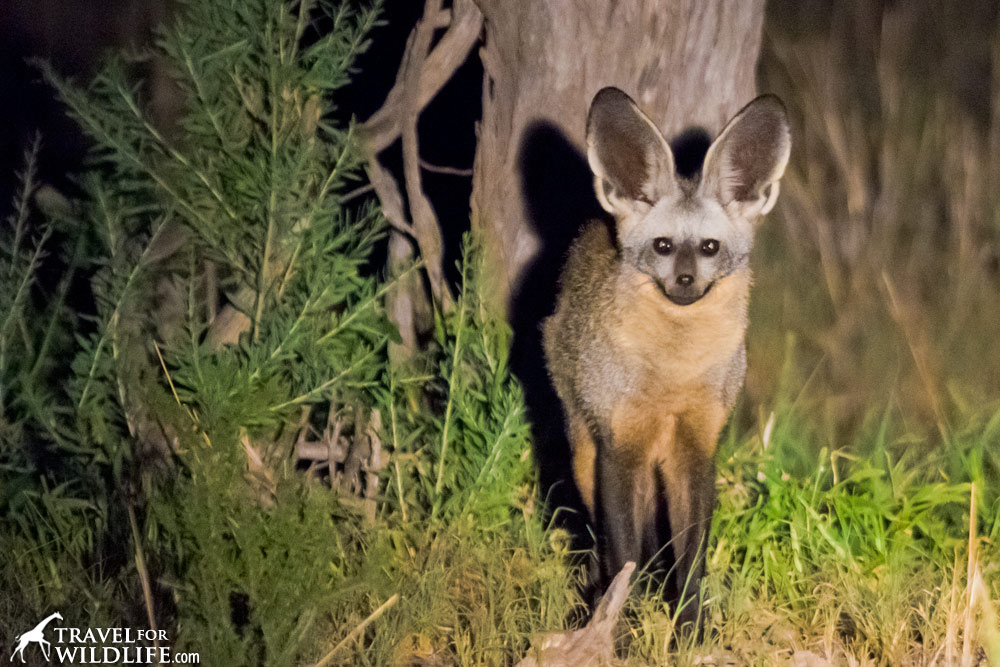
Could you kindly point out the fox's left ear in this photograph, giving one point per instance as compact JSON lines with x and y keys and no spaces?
{"x":743,"y":165}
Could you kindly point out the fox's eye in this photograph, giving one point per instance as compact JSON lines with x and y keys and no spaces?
{"x":709,"y":247}
{"x":662,"y":245}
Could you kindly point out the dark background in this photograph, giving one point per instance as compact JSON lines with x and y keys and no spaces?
{"x":76,"y":35}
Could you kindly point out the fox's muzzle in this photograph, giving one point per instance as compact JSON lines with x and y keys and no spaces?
{"x":683,"y":295}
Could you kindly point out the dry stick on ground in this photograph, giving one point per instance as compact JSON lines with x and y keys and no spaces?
{"x":140,"y":564}
{"x":594,"y":643}
{"x":335,"y":453}
{"x":328,"y":658}
{"x":422,"y":73}
{"x":329,"y":450}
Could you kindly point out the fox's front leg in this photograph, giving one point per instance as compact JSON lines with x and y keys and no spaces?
{"x":627,"y":491}
{"x":622,"y":496}
{"x":689,"y":475}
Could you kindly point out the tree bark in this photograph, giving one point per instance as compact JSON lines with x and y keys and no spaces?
{"x":686,"y":62}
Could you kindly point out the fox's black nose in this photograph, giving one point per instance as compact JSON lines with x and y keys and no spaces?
{"x":685,"y":279}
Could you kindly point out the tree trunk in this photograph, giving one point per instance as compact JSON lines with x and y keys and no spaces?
{"x":685,"y":62}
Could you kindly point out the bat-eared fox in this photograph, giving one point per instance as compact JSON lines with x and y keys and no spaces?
{"x":646,"y":345}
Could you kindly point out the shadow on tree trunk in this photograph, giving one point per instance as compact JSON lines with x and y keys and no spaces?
{"x":559,"y":198}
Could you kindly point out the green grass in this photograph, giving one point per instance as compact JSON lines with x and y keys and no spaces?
{"x":860,"y":560}
{"x":851,"y":560}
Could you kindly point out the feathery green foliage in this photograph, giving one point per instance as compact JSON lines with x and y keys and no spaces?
{"x":235,"y":318}
{"x":20,"y":254}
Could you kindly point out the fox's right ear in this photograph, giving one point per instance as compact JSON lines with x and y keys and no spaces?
{"x":630,"y":159}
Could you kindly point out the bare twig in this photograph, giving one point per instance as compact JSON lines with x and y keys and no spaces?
{"x":424,"y":221}
{"x":376,"y":461}
{"x":332,"y":438}
{"x":388,"y":194}
{"x":357,"y":192}
{"x":450,"y":171}
{"x":329,"y":450}
{"x":421,"y":75}
{"x":320,"y":451}
{"x":385,"y":125}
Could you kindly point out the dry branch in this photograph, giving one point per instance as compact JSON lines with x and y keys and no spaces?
{"x":442,"y":169}
{"x":594,"y":643}
{"x":425,"y":224}
{"x":422,"y":73}
{"x":385,"y":125}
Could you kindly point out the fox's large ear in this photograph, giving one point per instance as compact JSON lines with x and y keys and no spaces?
{"x":630,"y":159}
{"x":743,"y":165}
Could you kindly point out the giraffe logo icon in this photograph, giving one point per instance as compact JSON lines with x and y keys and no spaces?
{"x":36,"y":634}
